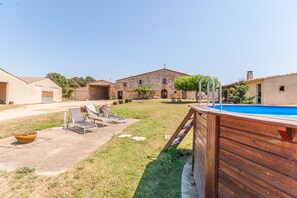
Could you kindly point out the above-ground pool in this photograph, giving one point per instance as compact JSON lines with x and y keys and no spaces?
{"x":289,"y":112}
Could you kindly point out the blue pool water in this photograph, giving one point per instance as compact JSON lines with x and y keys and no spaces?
{"x":274,"y":111}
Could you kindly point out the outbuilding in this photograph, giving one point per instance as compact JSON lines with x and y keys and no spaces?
{"x":27,"y":90}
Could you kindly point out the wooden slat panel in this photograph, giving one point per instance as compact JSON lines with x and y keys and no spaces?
{"x":268,"y":160}
{"x":211,"y":156}
{"x":236,"y":186}
{"x":225,"y":192}
{"x":200,"y":148}
{"x":202,"y":116}
{"x":201,"y":132}
{"x":257,"y":185}
{"x":202,"y":119}
{"x":199,"y":178}
{"x":253,"y":127}
{"x":284,"y":149}
{"x":271,"y":177}
{"x":199,"y":151}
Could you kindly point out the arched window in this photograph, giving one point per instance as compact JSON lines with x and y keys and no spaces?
{"x":164,"y":81}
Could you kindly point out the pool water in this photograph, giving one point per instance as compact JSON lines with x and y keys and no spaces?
{"x":272,"y":111}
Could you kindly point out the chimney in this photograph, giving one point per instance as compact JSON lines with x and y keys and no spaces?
{"x":249,"y":75}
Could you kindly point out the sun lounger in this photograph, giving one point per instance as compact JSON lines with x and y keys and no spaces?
{"x":108,"y":114}
{"x":93,"y":115}
{"x":78,"y":120}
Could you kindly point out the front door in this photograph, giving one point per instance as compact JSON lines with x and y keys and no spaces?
{"x":184,"y":95}
{"x":164,"y":93}
{"x":259,"y":94}
{"x":3,"y":92}
{"x":120,"y":95}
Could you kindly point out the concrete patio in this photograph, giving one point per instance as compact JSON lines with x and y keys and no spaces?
{"x":55,"y":150}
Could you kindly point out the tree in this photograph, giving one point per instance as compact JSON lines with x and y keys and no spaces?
{"x":58,"y":79}
{"x":80,"y":81}
{"x":62,"y":82}
{"x":142,"y":91}
{"x":191,"y":83}
{"x":90,"y":79}
{"x":238,"y":94}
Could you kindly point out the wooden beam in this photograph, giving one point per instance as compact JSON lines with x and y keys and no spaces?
{"x":211,"y":162}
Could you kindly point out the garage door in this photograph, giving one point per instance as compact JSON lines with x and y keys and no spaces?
{"x":47,"y":96}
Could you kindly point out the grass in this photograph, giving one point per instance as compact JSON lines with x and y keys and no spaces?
{"x":32,"y":123}
{"x":121,"y":167}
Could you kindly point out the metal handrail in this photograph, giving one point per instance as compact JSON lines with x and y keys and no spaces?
{"x":213,"y":91}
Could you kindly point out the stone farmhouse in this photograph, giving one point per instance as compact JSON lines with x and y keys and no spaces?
{"x":272,"y":90}
{"x":160,"y":81}
{"x":27,"y":90}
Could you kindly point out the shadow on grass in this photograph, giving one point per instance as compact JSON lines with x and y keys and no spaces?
{"x":162,"y":176}
{"x":179,"y":103}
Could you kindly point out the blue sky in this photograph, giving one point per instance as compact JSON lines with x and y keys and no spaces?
{"x":118,"y":38}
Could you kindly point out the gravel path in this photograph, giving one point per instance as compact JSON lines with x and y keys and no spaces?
{"x":39,"y":109}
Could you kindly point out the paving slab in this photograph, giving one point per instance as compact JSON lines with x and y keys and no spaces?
{"x":55,"y":150}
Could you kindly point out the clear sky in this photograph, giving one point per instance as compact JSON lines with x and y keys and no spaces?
{"x":118,"y":38}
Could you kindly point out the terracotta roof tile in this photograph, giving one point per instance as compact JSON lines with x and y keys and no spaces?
{"x":30,"y":80}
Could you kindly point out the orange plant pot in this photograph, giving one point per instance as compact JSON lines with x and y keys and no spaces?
{"x":26,"y":138}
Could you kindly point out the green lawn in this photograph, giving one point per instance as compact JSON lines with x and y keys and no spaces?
{"x":122,"y":167}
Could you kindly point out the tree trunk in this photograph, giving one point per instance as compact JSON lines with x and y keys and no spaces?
{"x":197,"y":96}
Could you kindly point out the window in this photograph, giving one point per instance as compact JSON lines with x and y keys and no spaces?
{"x":124,"y":84}
{"x":140,"y":82}
{"x":281,"y":88}
{"x":164,"y":81}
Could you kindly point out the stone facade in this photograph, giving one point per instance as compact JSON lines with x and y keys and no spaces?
{"x":160,"y":81}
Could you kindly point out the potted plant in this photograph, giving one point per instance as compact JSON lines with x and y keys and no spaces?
{"x":25,"y":138}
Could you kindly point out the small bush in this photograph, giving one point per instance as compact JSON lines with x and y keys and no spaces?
{"x":115,"y":103}
{"x":11,"y":103}
{"x":25,"y":170}
{"x":121,"y":101}
{"x":127,"y":101}
{"x":130,"y":100}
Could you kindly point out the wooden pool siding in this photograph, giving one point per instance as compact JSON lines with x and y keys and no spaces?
{"x":236,"y":155}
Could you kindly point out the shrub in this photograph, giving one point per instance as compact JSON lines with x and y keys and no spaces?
{"x":127,"y":101}
{"x":115,"y":103}
{"x":121,"y":101}
{"x":130,"y":100}
{"x":25,"y":170}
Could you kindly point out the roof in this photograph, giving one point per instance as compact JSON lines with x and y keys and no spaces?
{"x":101,"y":83}
{"x":30,"y":80}
{"x":260,"y":79}
{"x":164,"y":69}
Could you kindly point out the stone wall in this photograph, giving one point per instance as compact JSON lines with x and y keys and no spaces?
{"x":155,"y":80}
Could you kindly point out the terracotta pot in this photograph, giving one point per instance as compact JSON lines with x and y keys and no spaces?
{"x":25,"y":138}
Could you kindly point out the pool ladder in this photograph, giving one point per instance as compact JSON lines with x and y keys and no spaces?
{"x":213,"y":83}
